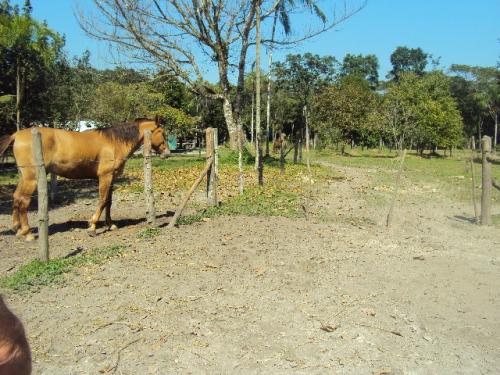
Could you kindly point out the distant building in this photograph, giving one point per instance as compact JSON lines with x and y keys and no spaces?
{"x":84,"y":125}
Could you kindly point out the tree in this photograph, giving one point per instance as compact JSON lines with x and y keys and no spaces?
{"x":168,"y":32}
{"x":301,"y":76}
{"x":421,"y":110}
{"x":32,"y":50}
{"x":283,"y":8}
{"x":115,"y":102}
{"x":482,"y":94}
{"x":342,"y":111}
{"x":405,"y":59}
{"x":365,"y":67}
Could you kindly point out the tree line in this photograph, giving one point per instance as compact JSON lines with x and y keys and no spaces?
{"x":418,"y":104}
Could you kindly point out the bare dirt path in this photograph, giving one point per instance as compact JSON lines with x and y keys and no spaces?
{"x":335,"y":292}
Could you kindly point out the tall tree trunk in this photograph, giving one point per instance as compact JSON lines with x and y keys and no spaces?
{"x":241,"y":180}
{"x":496,"y":134}
{"x":269,"y":65}
{"x":308,"y":159}
{"x":479,"y":125}
{"x":232,"y":126}
{"x":258,"y":129}
{"x":18,"y":95}
{"x":301,"y":144}
{"x":252,"y":138}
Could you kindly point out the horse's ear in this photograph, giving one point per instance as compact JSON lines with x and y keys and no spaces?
{"x":157,"y":120}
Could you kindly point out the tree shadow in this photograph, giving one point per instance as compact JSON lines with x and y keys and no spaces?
{"x":463,"y":219}
{"x":67,"y":226}
{"x":346,"y":154}
{"x":67,"y":193}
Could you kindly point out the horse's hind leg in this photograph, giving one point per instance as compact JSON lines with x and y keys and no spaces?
{"x":104,"y":186}
{"x":16,"y":223}
{"x":26,"y":191}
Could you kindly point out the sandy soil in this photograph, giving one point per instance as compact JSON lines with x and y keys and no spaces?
{"x":332,"y":293}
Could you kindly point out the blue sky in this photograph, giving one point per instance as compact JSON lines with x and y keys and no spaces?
{"x":458,"y":31}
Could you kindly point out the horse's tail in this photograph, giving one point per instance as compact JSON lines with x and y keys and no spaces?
{"x":5,"y":142}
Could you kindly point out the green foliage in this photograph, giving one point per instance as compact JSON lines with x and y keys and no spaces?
{"x":256,"y":201}
{"x":302,"y":75}
{"x":148,"y":233}
{"x":477,"y":90}
{"x":365,"y":67}
{"x":405,"y":59}
{"x":422,"y":109}
{"x":228,"y":156}
{"x":36,"y":273}
{"x":31,"y":59}
{"x":342,"y":110}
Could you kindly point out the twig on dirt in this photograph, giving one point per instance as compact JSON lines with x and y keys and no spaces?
{"x":329,"y":328}
{"x":394,"y":332}
{"x":119,"y":354}
{"x":129,"y":325}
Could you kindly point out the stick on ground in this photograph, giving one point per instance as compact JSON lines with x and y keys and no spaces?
{"x":190,"y":192}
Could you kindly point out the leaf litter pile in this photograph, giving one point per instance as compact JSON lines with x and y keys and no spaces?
{"x":281,"y":195}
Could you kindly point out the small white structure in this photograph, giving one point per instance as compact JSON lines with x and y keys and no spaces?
{"x":84,"y":125}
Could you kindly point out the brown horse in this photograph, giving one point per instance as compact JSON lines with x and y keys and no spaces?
{"x":97,"y":154}
{"x":15,"y":355}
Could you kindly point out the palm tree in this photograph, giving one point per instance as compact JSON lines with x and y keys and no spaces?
{"x":282,"y":12}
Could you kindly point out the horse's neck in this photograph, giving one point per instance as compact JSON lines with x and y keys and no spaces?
{"x":124,"y":150}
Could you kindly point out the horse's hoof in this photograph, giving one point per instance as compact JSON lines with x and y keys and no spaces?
{"x":15,"y":229}
{"x":113,"y":227}
{"x":29,"y":237}
{"x":19,"y":233}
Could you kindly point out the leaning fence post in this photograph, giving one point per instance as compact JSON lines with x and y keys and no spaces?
{"x":486,"y":182}
{"x":148,"y":179}
{"x":388,"y":222}
{"x":211,"y":137}
{"x":43,"y":203}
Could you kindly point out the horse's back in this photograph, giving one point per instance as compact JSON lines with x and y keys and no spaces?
{"x":66,"y":153}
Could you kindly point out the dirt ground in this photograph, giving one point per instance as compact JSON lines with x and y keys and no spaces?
{"x":332,"y":293}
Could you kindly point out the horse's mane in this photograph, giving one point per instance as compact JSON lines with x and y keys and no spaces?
{"x":125,"y":132}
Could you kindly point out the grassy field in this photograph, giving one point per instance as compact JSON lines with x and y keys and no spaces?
{"x":449,"y":174}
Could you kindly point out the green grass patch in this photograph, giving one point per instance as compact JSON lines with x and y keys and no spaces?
{"x":256,"y":201}
{"x":450,"y":175}
{"x":37,"y":274}
{"x":148,"y":233}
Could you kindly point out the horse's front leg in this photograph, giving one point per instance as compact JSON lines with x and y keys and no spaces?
{"x":105,"y":182}
{"x":109,"y":222}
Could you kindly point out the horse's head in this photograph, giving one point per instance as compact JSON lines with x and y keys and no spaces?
{"x":159,"y":142}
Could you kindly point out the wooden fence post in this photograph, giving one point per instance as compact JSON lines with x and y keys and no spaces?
{"x":148,"y":179}
{"x":472,"y":151}
{"x":486,"y":182}
{"x":396,"y":189}
{"x":211,"y":136}
{"x":43,"y":203}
